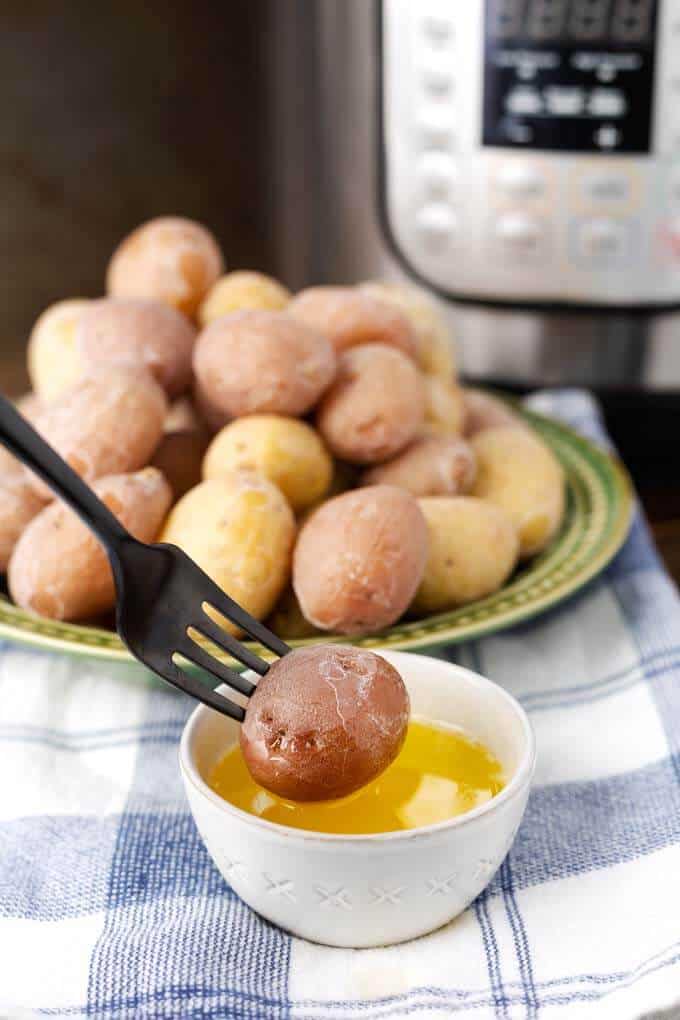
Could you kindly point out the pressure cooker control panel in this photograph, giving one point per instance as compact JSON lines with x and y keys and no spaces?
{"x":531,"y":148}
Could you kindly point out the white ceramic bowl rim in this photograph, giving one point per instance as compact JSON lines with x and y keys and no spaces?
{"x":522,"y":776}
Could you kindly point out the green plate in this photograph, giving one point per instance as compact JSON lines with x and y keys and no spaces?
{"x":598,"y":515}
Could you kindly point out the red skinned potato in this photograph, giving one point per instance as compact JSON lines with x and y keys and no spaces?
{"x":432,"y":466}
{"x":19,"y":504}
{"x":107,"y":423}
{"x":484,"y":411}
{"x":375,"y":406}
{"x":324,"y":721}
{"x":255,"y":362}
{"x":138,"y":334}
{"x":349,"y":318}
{"x":359,"y":559}
{"x":58,"y":568}
{"x":169,"y":259}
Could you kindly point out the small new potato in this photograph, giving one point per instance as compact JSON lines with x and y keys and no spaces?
{"x":484,"y":411}
{"x":240,"y":290}
{"x":59,"y":569}
{"x":240,"y":530}
{"x":517,"y":472}
{"x":138,"y":334}
{"x":19,"y":504}
{"x":431,"y":466}
{"x":54,"y":362}
{"x":444,"y":407}
{"x":323,"y":722}
{"x":375,"y":406}
{"x":349,"y":318}
{"x":286,"y":451}
{"x":257,"y":362}
{"x":436,"y":354}
{"x":109,"y":422}
{"x":359,"y":559}
{"x":169,"y":259}
{"x":473,"y":549}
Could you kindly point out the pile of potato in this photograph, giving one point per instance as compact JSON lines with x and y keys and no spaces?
{"x":314,"y":453}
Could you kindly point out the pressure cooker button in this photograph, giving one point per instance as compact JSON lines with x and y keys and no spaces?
{"x":437,"y":172}
{"x":524,"y":101}
{"x":437,"y":29}
{"x":436,"y":126}
{"x":436,"y":223}
{"x":602,"y":238}
{"x":610,"y":188}
{"x":521,"y":180}
{"x":520,"y":234}
{"x":437,"y":79}
{"x":606,"y":103}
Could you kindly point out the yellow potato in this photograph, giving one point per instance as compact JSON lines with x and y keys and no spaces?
{"x":436,"y":348}
{"x":517,"y":472}
{"x":243,"y":289}
{"x":19,"y":504}
{"x":431,"y":466}
{"x":288,"y":620}
{"x":54,"y":362}
{"x":240,"y":530}
{"x":444,"y":408}
{"x":472,"y":551}
{"x":359,"y":559}
{"x":59,"y":569}
{"x":286,"y":451}
{"x":109,"y":422}
{"x":375,"y":406}
{"x":170,"y":259}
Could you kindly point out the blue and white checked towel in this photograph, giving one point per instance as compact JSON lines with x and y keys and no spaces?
{"x":110,"y":907}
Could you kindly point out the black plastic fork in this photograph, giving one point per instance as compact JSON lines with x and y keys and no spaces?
{"x":162,"y":595}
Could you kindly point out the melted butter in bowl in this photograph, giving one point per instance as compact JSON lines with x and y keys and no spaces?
{"x":440,"y":773}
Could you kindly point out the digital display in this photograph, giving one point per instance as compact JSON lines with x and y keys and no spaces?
{"x":573,"y":75}
{"x":615,"y":21}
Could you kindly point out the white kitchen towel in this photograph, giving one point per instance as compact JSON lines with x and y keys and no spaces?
{"x":110,"y":906}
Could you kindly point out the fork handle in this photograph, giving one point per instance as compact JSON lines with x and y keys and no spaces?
{"x":28,"y":446}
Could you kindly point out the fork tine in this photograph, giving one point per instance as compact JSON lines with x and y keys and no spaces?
{"x":213,"y":632}
{"x":190,"y":650}
{"x":190,"y":685}
{"x":220,"y":601}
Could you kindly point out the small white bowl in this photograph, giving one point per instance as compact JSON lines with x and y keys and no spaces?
{"x":371,"y":890}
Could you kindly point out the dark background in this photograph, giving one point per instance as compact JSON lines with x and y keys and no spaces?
{"x":112,"y":114}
